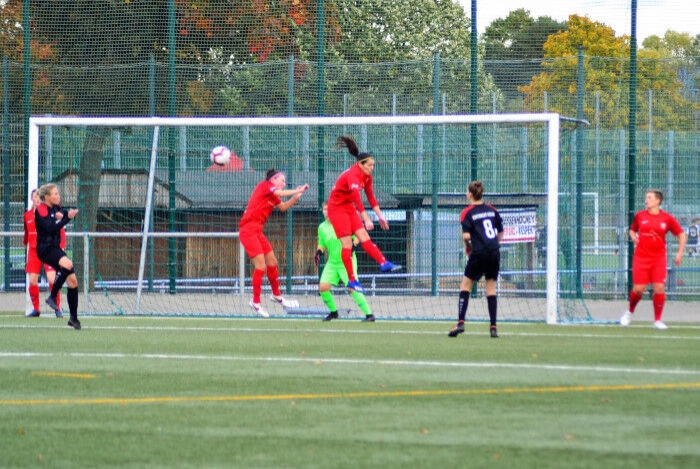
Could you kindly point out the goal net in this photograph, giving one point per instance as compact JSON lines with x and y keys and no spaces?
{"x":157,"y":228}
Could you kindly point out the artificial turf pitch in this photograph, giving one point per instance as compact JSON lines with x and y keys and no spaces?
{"x":186,"y":392}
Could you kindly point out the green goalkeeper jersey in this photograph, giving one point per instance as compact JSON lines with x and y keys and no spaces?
{"x":328,"y":241}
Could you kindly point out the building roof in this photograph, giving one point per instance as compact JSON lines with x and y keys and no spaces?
{"x":198,"y":189}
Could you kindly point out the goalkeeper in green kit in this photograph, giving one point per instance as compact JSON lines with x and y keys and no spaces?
{"x":334,"y":271}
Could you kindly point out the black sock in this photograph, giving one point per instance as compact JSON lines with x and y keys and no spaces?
{"x":493,"y":308}
{"x":61,"y":276}
{"x":73,"y":302}
{"x":463,"y":303}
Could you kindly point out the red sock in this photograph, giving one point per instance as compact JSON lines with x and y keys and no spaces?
{"x":257,"y":284}
{"x":58,"y":295}
{"x":373,"y":251}
{"x":634,"y":299}
{"x":658,"y":300}
{"x":274,"y":277}
{"x":346,"y":256}
{"x":34,"y":296}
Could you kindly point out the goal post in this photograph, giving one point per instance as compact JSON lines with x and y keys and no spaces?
{"x":158,"y":165}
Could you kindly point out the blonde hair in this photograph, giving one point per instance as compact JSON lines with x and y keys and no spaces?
{"x":46,"y":189}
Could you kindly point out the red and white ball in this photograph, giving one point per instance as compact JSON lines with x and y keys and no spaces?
{"x":220,"y":155}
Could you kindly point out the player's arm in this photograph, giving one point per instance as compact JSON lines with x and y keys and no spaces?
{"x":320,"y":249}
{"x":682,"y":239}
{"x":634,"y":236}
{"x":296,"y":195}
{"x":25,"y":239}
{"x":291,"y":192}
{"x":467,"y":238}
{"x":383,"y":224}
{"x":369,"y":191}
{"x":46,"y":224}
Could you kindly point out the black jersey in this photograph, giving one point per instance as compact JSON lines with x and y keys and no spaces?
{"x":48,"y":228}
{"x":693,"y":235}
{"x":483,"y":223}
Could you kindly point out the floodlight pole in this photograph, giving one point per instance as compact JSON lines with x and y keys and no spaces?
{"x":632,"y":137}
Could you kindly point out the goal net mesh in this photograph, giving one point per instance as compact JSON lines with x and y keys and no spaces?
{"x":157,"y":228}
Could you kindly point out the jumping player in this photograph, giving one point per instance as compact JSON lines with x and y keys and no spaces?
{"x":50,"y":219}
{"x":482,"y":231}
{"x":343,"y":206}
{"x":648,"y":233}
{"x":33,"y":264}
{"x":263,"y":200}
{"x":334,"y":270}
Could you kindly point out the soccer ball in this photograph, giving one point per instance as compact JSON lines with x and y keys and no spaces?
{"x":220,"y":155}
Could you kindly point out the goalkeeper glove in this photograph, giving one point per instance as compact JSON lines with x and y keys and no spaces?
{"x":317,"y":258}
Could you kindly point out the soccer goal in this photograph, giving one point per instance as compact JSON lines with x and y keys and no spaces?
{"x":157,"y":229}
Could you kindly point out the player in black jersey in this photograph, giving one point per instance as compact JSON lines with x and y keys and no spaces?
{"x":693,"y":242}
{"x":482,"y":230}
{"x":50,"y":218}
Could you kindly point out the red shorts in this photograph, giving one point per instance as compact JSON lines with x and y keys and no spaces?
{"x":345,"y":220}
{"x":254,"y":241}
{"x":646,"y":271}
{"x":33,"y":265}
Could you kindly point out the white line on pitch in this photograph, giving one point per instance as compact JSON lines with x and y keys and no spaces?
{"x":352,"y":361}
{"x":504,"y":333}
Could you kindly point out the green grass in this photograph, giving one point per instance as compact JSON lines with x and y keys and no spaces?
{"x":183,"y":392}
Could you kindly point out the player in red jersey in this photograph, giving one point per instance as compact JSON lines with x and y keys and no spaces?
{"x":343,"y":206}
{"x":482,"y":231}
{"x":263,"y":200}
{"x":648,"y":233}
{"x":33,"y":264}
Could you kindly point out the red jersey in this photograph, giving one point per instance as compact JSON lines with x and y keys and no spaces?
{"x":652,"y":231}
{"x":261,"y":204}
{"x":347,"y":187}
{"x":29,"y":229}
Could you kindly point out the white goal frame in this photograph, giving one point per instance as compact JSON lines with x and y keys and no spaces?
{"x":552,"y":121}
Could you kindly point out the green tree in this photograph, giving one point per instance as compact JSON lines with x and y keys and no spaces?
{"x":386,"y":48}
{"x":682,"y":51}
{"x":514,"y":48}
{"x":606,"y":71}
{"x":397,"y":30}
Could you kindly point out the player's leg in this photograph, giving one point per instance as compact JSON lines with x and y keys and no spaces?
{"x":72,"y":297}
{"x":251,"y":243}
{"x":257,"y":280}
{"x":33,"y":268}
{"x":358,"y":297}
{"x":492,"y":304}
{"x":641,"y":277}
{"x":58,"y":259}
{"x":491,"y":270}
{"x":51,"y":278}
{"x":658,"y":281}
{"x":329,"y":277}
{"x":34,"y":294}
{"x":271,"y":267}
{"x":274,"y":277}
{"x":374,"y":252}
{"x":470,"y":276}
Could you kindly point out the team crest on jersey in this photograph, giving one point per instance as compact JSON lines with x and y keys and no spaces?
{"x":663,"y":226}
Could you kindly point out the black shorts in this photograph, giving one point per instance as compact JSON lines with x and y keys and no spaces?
{"x":51,"y":255}
{"x":484,"y":265}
